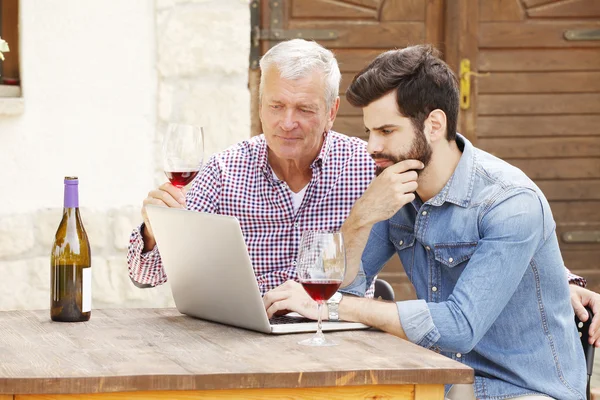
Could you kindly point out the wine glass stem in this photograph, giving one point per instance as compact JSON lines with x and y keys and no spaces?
{"x":319,"y":331}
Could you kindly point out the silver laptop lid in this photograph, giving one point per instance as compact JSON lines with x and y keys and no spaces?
{"x":207,"y":263}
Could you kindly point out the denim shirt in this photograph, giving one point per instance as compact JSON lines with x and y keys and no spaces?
{"x":485,"y":263}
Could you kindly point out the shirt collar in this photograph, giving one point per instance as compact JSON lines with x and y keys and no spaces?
{"x":263,"y":154}
{"x":459,"y":188}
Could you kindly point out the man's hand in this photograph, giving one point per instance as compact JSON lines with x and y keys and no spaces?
{"x":289,"y":297}
{"x":581,"y":297}
{"x":165,"y":195}
{"x":388,"y":192}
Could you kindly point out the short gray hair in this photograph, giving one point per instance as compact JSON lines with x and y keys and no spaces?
{"x":297,"y":58}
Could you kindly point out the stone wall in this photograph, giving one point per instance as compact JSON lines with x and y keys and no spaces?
{"x":199,"y":52}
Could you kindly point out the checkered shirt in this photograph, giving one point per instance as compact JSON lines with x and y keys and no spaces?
{"x":239,"y":182}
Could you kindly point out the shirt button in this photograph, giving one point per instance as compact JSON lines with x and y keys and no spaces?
{"x":450,"y":259}
{"x":434,"y":289}
{"x":424,"y":213}
{"x":458,"y":355}
{"x":294,"y":262}
{"x":427,"y":248}
{"x":401,"y":242}
{"x":296,"y":225}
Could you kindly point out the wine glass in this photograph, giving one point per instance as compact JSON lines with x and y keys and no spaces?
{"x":183,"y":153}
{"x":321,"y":268}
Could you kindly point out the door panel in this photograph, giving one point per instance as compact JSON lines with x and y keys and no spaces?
{"x":539,"y":109}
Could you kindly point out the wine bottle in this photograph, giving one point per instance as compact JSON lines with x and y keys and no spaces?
{"x":71,"y":272}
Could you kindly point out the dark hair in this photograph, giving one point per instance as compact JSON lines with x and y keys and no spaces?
{"x":422,"y":81}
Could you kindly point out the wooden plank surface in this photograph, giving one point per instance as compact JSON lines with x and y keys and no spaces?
{"x":539,"y":59}
{"x":366,"y":34}
{"x":542,"y":147}
{"x":520,"y":104}
{"x":571,"y":189}
{"x":353,"y":392}
{"x":354,"y":60}
{"x":366,"y":3}
{"x":547,"y":125}
{"x":426,"y":392}
{"x":329,"y":9}
{"x":518,"y":34}
{"x":579,"y":261}
{"x":348,"y":110}
{"x":559,"y":168}
{"x":434,"y":23}
{"x":500,"y":10}
{"x":587,"y":247}
{"x":350,"y":125}
{"x":160,"y":349}
{"x":567,"y":9}
{"x":534,"y":3}
{"x":540,"y":82}
{"x":570,"y":211}
{"x":403,"y":10}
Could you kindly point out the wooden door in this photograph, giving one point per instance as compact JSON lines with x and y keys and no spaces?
{"x":362,"y":30}
{"x":539,"y":107}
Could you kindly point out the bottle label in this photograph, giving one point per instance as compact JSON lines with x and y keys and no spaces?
{"x":86,"y":290}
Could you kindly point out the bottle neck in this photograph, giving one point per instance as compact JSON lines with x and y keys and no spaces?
{"x":71,"y":196}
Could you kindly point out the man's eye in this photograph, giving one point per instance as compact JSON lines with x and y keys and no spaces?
{"x":275,"y":107}
{"x":387,"y":131}
{"x":304,"y":110}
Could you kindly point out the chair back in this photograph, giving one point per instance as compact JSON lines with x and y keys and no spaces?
{"x":588,"y":349}
{"x":383,"y":290}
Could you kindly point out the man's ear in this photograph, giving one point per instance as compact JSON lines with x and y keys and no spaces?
{"x":437,"y":123}
{"x":332,"y":114}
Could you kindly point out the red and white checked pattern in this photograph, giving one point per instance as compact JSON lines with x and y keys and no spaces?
{"x":239,"y":182}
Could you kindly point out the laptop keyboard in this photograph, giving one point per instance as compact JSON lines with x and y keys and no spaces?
{"x":284,"y":319}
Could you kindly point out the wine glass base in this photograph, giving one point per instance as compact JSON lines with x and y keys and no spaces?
{"x":318,"y":341}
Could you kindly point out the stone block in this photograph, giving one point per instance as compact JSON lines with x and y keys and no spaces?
{"x":97,"y":227}
{"x":46,"y":224}
{"x":16,"y":234}
{"x":221,"y":108}
{"x":211,"y":36}
{"x":124,"y":221}
{"x":25,"y":284}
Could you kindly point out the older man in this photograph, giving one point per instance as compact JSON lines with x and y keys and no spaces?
{"x":299,"y":175}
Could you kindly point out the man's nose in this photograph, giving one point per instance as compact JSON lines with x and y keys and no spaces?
{"x":375,"y":145}
{"x":289,"y":121}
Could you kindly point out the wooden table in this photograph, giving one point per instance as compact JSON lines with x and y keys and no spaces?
{"x":161,"y":354}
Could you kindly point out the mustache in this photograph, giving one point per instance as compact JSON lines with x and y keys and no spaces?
{"x":385,"y":156}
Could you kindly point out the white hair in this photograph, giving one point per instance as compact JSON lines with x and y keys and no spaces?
{"x":298,"y":58}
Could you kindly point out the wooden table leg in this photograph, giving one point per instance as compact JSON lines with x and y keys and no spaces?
{"x":429,"y":392}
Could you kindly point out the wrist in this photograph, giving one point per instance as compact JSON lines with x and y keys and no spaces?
{"x":148,"y":239}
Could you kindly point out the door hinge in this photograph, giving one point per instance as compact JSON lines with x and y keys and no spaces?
{"x":276,"y":31}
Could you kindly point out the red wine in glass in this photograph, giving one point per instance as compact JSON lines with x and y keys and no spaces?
{"x":321,"y":289}
{"x":321,"y":267}
{"x":181,"y":178}
{"x":183,"y":153}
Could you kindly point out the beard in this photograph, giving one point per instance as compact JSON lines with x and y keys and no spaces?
{"x":419,"y":150}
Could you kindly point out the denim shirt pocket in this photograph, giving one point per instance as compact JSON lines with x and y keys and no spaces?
{"x":453,"y":254}
{"x":403,"y":238}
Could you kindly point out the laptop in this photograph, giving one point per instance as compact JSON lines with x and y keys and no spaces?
{"x":211,"y":276}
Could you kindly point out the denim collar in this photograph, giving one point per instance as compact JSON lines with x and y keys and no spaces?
{"x":459,"y":188}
